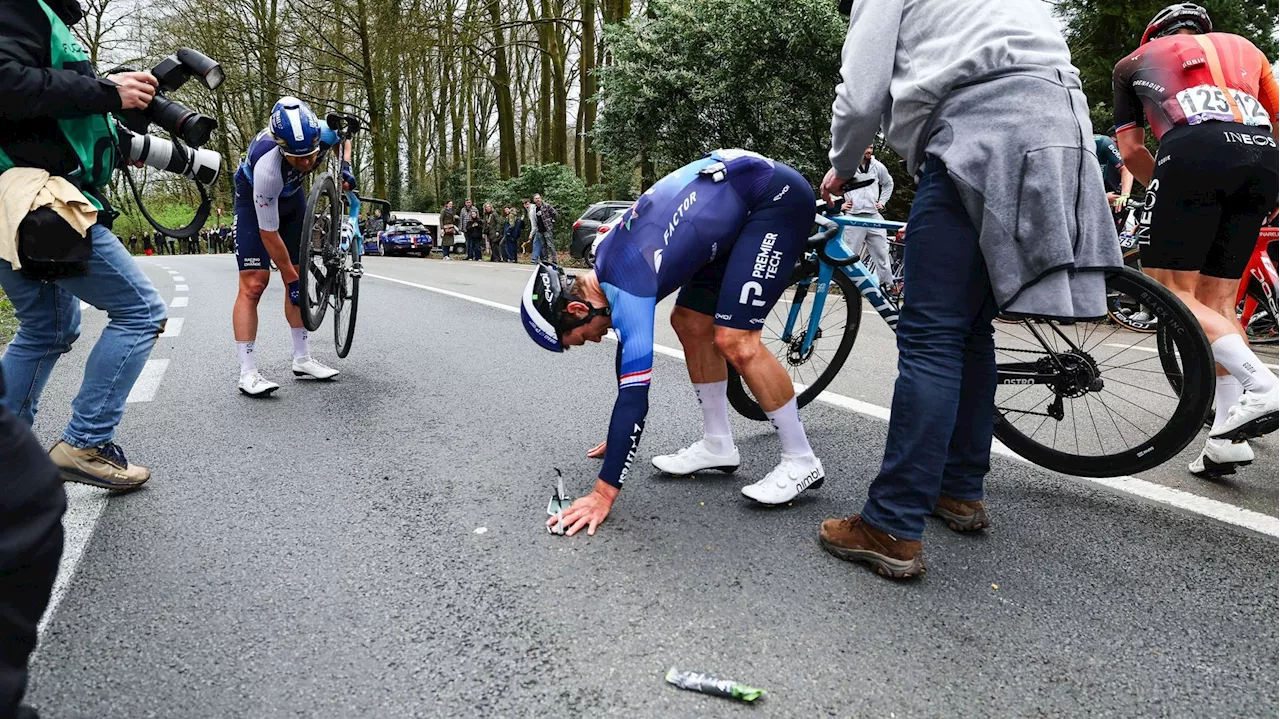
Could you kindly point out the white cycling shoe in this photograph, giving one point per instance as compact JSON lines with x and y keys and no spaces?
{"x":308,"y":367}
{"x":255,"y":385}
{"x":1254,"y":415}
{"x":793,"y":475}
{"x":696,"y":458}
{"x":1221,"y":459}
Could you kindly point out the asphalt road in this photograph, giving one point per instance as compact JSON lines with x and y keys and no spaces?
{"x":320,"y":553}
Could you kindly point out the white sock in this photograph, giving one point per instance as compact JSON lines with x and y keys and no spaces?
{"x":719,"y":444}
{"x":247,"y":363}
{"x":301,"y":347}
{"x":1225,"y":396}
{"x":1232,"y":352}
{"x":786,"y":419}
{"x":714,"y":398}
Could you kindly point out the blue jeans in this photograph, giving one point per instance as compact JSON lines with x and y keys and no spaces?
{"x":544,"y":247}
{"x":944,"y":399}
{"x":49,"y":322}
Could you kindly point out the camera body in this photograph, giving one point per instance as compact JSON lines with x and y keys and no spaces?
{"x":182,"y":122}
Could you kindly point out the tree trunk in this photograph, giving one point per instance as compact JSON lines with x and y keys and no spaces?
{"x":560,"y":116}
{"x":376,"y":103}
{"x":507,"y":165}
{"x":586,"y":98}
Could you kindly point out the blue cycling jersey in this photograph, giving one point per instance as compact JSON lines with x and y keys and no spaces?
{"x":741,"y":215}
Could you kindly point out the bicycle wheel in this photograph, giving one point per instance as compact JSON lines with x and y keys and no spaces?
{"x":319,"y":251}
{"x":1096,"y":400}
{"x":346,"y":299}
{"x":1262,"y":328}
{"x":813,"y":370}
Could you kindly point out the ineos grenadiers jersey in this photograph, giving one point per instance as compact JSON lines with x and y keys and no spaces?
{"x":266,"y":171}
{"x":1190,"y":79}
{"x":684,"y":222}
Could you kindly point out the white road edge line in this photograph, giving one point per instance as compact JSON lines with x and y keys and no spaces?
{"x":173,"y":327}
{"x":84,"y":506}
{"x":1247,"y":519}
{"x":1153,"y":350}
{"x":144,"y":390}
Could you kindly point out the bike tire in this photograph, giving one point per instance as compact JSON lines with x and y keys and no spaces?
{"x":318,"y":243}
{"x":740,"y":396}
{"x":1194,"y":386}
{"x":344,"y":315}
{"x":1262,"y":327}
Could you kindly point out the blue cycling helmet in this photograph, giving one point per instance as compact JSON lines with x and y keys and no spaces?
{"x":295,"y":127}
{"x":541,"y":304}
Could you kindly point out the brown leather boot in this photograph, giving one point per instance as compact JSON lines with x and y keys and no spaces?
{"x":856,"y":541}
{"x":962,"y":515}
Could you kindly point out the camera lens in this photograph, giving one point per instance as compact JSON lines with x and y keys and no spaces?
{"x":196,"y":129}
{"x":181,"y":121}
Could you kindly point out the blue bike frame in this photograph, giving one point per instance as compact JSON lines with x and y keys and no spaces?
{"x":866,"y":282}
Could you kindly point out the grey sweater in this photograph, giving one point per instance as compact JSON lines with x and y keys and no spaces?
{"x":902,"y":56}
{"x":864,"y":199}
{"x":987,"y":87}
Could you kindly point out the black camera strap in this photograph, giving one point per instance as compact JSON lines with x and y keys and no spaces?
{"x":192,"y":228}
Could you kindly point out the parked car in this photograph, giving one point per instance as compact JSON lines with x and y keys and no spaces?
{"x":602,"y":234}
{"x":592,"y":223}
{"x":404,"y":236}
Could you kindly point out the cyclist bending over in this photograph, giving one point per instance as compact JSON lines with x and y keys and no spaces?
{"x":1210,"y":99}
{"x":269,"y":209}
{"x":726,"y":231}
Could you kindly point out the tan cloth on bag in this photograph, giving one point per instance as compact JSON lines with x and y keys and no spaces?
{"x":23,"y":189}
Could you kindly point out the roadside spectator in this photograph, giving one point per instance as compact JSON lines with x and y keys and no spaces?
{"x":512,"y":232}
{"x":544,"y":242}
{"x":873,"y":186}
{"x":985,"y":234}
{"x":531,"y":221}
{"x":493,"y":233}
{"x":162,"y":247}
{"x":133,"y":243}
{"x":147,"y":248}
{"x":32,"y":502}
{"x":473,"y":229}
{"x":448,"y":229}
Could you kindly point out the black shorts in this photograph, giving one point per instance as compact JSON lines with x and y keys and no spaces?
{"x":251,"y":254}
{"x":1213,"y":186}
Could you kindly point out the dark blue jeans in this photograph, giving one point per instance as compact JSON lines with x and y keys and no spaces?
{"x":943,"y":402}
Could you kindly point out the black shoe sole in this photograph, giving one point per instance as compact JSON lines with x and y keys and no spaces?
{"x":1216,"y":470}
{"x":884,"y":566}
{"x":726,"y":470}
{"x":301,"y":375}
{"x":264,"y":393}
{"x":71,"y":475}
{"x":1257,"y":427}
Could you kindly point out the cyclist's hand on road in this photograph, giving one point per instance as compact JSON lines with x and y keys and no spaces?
{"x":831,"y":185}
{"x":294,"y":297}
{"x":597,"y":451}
{"x":136,"y":89}
{"x":589,"y":511}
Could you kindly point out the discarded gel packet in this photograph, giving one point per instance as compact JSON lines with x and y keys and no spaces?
{"x":694,"y":681}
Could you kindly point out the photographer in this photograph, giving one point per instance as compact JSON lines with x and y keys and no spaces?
{"x":56,"y":118}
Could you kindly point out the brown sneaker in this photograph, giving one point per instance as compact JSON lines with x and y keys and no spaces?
{"x":961,"y":515}
{"x":103,"y":466}
{"x":856,"y":541}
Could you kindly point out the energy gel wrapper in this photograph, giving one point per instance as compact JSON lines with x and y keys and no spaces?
{"x":694,"y":681}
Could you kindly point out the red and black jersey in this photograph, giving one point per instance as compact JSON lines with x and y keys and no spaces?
{"x":1190,"y":79}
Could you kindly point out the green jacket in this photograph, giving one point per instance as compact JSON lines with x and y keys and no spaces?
{"x":493,"y":225}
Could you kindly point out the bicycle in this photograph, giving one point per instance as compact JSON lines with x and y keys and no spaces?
{"x":1121,"y":308}
{"x":1256,"y":299}
{"x":331,"y":267}
{"x":1053,"y":376}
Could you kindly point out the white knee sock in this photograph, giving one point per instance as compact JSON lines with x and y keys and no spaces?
{"x":1232,"y":352}
{"x":714,"y":399}
{"x":247,"y":364}
{"x":786,"y":419}
{"x":1225,"y":397}
{"x":301,"y":347}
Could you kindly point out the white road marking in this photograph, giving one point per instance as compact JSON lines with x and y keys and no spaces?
{"x":172,"y":272}
{"x":181,"y":288}
{"x":173,"y":327}
{"x":84,"y":506}
{"x":1247,"y":519}
{"x":179,"y":301}
{"x":179,"y":278}
{"x":144,"y":390}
